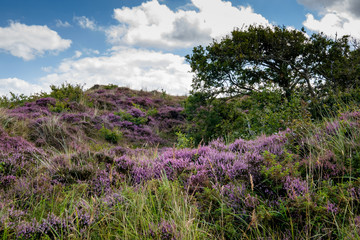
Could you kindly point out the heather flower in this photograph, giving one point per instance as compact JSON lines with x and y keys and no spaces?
{"x":74,"y":117}
{"x":273,"y":144}
{"x":119,"y":150}
{"x":354,"y":193}
{"x":27,"y":230}
{"x":52,"y":225}
{"x":171,"y":112}
{"x":350,"y":115}
{"x":101,"y":183}
{"x":295,"y":187}
{"x":6,"y":181}
{"x":357,"y":221}
{"x":239,"y":169}
{"x":332,"y":127}
{"x":234,"y":195}
{"x":45,"y":102}
{"x":29,"y":111}
{"x":331,"y":208}
{"x":113,"y":199}
{"x":327,"y":165}
{"x":143,"y":101}
{"x":165,"y":230}
{"x":124,"y":164}
{"x":218,"y":144}
{"x":198,"y":180}
{"x":251,"y":201}
{"x":135,"y":112}
{"x":141,"y":173}
{"x":83,"y":217}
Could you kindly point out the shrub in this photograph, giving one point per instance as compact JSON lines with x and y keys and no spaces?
{"x":67,"y":92}
{"x":112,"y":136}
{"x":134,"y":115}
{"x":183,"y":141}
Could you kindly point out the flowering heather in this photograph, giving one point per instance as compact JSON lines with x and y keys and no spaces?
{"x":10,"y":144}
{"x":135,"y":112}
{"x":62,"y":179}
{"x":45,"y":102}
{"x":171,"y":112}
{"x":112,"y":199}
{"x":75,"y":118}
{"x":350,"y":116}
{"x":101,"y":184}
{"x":273,"y":144}
{"x":32,"y":109}
{"x":164,"y":230}
{"x":295,"y":187}
{"x":331,"y":208}
{"x":6,"y":181}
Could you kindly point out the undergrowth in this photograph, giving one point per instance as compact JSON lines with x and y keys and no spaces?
{"x":99,"y":168}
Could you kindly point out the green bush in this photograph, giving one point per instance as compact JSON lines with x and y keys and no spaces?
{"x":60,"y":106}
{"x":110,"y":86}
{"x":112,"y":136}
{"x":67,"y":92}
{"x":246,"y":117}
{"x":128,"y":117}
{"x":16,"y":100}
{"x":184,"y":141}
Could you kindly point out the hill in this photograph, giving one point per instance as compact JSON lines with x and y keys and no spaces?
{"x":113,"y":163}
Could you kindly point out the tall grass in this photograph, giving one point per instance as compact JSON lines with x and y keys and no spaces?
{"x":56,"y":182}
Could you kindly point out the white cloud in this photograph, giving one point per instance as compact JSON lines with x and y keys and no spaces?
{"x":18,"y":86}
{"x":137,"y":69}
{"x":151,"y":25}
{"x":89,"y":51}
{"x":338,"y":17}
{"x":155,"y":25}
{"x":27,"y":42}
{"x":84,"y":22}
{"x":60,"y":23}
{"x":77,"y":54}
{"x":334,"y":24}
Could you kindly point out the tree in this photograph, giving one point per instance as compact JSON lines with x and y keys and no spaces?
{"x":271,"y":57}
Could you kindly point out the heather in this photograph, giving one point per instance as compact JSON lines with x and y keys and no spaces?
{"x":115,"y":163}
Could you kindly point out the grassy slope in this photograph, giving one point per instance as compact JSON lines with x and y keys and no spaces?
{"x":103,"y":165}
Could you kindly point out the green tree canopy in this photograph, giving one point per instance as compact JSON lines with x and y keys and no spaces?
{"x":273,"y":57}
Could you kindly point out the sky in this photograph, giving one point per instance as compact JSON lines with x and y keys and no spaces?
{"x":138,"y":44}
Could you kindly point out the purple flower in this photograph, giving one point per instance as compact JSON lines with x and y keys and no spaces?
{"x":135,"y":112}
{"x":331,"y":208}
{"x":45,"y":102}
{"x":295,"y":187}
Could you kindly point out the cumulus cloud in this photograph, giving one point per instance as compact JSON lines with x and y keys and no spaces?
{"x":324,"y":6}
{"x":337,"y":17}
{"x":27,"y":42}
{"x":135,"y":68}
{"x":18,"y":86}
{"x":155,"y":25}
{"x":84,"y":22}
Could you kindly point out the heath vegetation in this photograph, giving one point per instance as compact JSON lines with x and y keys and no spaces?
{"x":266,"y":146}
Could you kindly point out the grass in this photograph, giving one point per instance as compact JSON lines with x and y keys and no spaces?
{"x":59,"y":182}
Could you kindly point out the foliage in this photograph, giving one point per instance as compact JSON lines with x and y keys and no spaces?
{"x":67,"y":92}
{"x":15,"y":100}
{"x":67,"y":177}
{"x":273,"y":57}
{"x":112,"y":136}
{"x":264,"y":112}
{"x":183,"y":141}
{"x":133,"y":117}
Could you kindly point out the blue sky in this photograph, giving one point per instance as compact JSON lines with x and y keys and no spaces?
{"x":138,"y":44}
